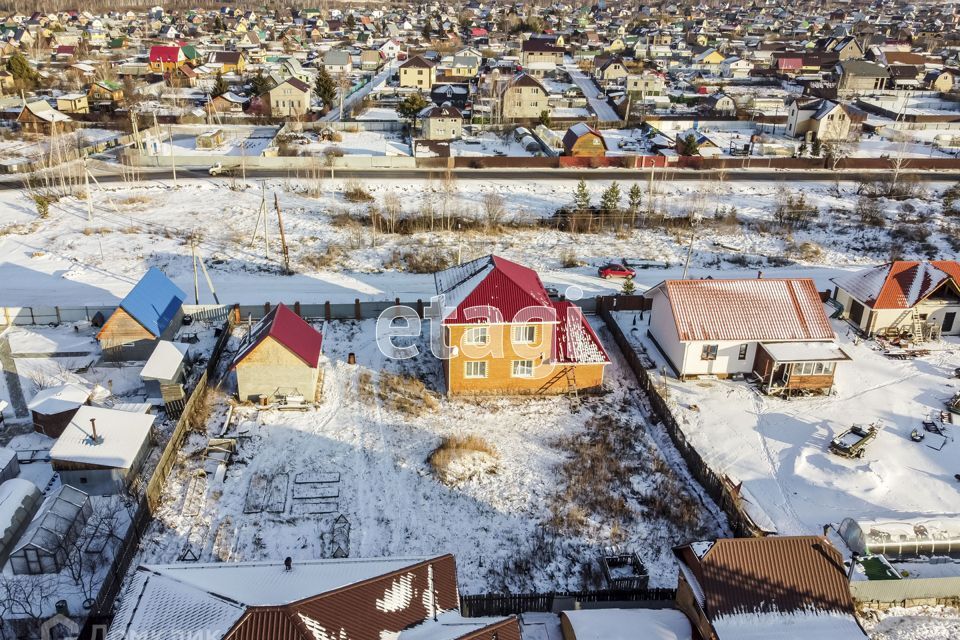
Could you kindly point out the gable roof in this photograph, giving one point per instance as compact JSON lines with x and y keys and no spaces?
{"x":54,"y":400}
{"x":901,"y":284}
{"x":288,"y":329}
{"x":574,"y":341}
{"x":776,"y":574}
{"x":417,"y":62}
{"x":161,"y":53}
{"x":154,"y":301}
{"x":747,"y":309}
{"x":490,"y":282}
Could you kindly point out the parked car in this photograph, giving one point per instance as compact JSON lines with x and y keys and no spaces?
{"x":615,"y":270}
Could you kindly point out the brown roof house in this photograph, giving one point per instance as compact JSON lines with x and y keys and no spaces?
{"x":418,"y":73}
{"x":441,"y":123}
{"x":524,"y":98}
{"x":760,"y":588}
{"x":359,"y":599}
{"x":583,"y":141}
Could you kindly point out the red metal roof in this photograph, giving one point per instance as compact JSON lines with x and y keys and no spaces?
{"x":504,"y":287}
{"x":748,"y":309}
{"x":288,"y":329}
{"x":160,"y":53}
{"x":574,"y":341}
{"x":901,"y":284}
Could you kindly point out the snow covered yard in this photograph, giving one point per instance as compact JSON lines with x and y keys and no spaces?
{"x":914,"y":623}
{"x":67,"y":261}
{"x":522,"y":519}
{"x":778,"y":448}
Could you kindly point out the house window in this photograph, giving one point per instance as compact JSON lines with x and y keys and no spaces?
{"x":475,"y":369}
{"x":743,"y":352}
{"x":476,"y":335}
{"x":522,"y":369}
{"x":709,"y":352}
{"x":524,"y":335}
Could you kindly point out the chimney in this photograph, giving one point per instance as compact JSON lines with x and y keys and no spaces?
{"x":288,"y":563}
{"x":854,"y":559}
{"x":93,"y":426}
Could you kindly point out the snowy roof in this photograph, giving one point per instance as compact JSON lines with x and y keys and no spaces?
{"x":495,"y":288}
{"x":788,"y":626}
{"x":42,"y":110}
{"x":270,"y":584}
{"x":574,"y":339}
{"x":805,"y":351}
{"x":747,"y":309}
{"x":290,"y":330}
{"x":164,"y":361}
{"x":899,"y":285}
{"x":628,"y":624}
{"x":15,"y":494}
{"x":154,"y":301}
{"x":54,"y":519}
{"x":120,"y":436}
{"x":54,"y":400}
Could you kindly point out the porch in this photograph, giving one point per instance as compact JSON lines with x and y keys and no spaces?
{"x":794,"y":368}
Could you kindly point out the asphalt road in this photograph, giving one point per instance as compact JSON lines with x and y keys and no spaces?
{"x":751,"y":175}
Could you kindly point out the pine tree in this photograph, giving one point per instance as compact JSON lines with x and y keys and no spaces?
{"x":610,"y":200}
{"x":634,"y":200}
{"x":351,"y":22}
{"x":259,"y":84}
{"x":628,"y":287}
{"x":325,"y":89}
{"x":413,"y":104}
{"x":220,"y":86}
{"x":21,"y":70}
{"x":581,"y":197}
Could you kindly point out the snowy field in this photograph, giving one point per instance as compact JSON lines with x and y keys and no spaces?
{"x":362,"y":453}
{"x":488,"y":144}
{"x":778,"y":448}
{"x":31,"y":147}
{"x":237,"y":141}
{"x":915,"y":623}
{"x":355,"y":143}
{"x":64,"y":260}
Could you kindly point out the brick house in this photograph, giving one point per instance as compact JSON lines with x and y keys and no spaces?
{"x":505,"y":335}
{"x":524,"y":98}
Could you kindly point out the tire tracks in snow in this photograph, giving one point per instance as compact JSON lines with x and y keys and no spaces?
{"x":786,"y":505}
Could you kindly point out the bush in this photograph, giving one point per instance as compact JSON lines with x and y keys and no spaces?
{"x":354,"y":192}
{"x":870,"y":212}
{"x":405,"y":394}
{"x":569,"y":260}
{"x":428,"y":260}
{"x":461,"y":458}
{"x":325,"y":260}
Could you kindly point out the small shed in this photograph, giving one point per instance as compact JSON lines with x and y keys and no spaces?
{"x":43,"y":546}
{"x":165,"y":371}
{"x":19,"y":500}
{"x":583,"y":141}
{"x":101,"y":450}
{"x":152,"y":311}
{"x":53,"y":408}
{"x":210,"y":139}
{"x":9,"y":466}
{"x":281,"y":356}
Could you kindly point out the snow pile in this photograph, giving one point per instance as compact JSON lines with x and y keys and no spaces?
{"x":779,"y":625}
{"x":627,"y":624}
{"x":914,"y":623}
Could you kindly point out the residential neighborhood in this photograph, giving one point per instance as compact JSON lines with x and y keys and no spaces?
{"x":480,"y":321}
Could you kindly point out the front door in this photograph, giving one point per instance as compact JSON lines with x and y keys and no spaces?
{"x":948,"y":319}
{"x":856,"y":312}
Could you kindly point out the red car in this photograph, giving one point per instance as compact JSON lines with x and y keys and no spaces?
{"x":614,"y":270}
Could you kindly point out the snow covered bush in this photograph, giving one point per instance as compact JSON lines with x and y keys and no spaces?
{"x":462,"y":458}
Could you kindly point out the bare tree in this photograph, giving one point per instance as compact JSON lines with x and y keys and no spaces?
{"x":24,"y":597}
{"x":87,"y":552}
{"x":393,"y":209}
{"x":494,"y":210}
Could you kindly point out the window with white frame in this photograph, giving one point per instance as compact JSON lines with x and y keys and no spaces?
{"x":522,"y":369}
{"x":474,"y":369}
{"x":524,"y":334}
{"x":476,"y":335}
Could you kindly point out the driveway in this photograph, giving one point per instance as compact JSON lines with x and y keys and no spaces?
{"x":596,"y":98}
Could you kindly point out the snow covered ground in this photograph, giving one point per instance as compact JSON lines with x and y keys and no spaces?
{"x":778,"y":448}
{"x":64,"y":260}
{"x":915,"y":623}
{"x":237,"y":141}
{"x":362,"y":143}
{"x":488,"y":144}
{"x":366,"y":459}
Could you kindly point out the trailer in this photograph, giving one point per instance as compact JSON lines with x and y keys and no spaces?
{"x":853,"y":442}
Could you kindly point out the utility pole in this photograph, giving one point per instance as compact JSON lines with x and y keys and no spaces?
{"x":686,"y":263}
{"x":173,"y":161}
{"x":86,"y":186}
{"x":196,"y":284}
{"x":283,"y":237}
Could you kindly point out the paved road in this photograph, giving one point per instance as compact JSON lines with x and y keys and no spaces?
{"x":744,"y":175}
{"x":596,"y":98}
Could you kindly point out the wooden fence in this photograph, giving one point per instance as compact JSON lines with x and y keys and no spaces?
{"x":493,"y":604}
{"x":720,"y":488}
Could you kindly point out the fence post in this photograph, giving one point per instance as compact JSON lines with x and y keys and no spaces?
{"x":236,"y":312}
{"x":296,"y":308}
{"x":33,"y":320}
{"x":266,"y":308}
{"x":357,"y":311}
{"x":57,"y":311}
{"x":420,"y":308}
{"x":326,"y":311}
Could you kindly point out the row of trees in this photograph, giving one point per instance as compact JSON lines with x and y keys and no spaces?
{"x":583,"y":216}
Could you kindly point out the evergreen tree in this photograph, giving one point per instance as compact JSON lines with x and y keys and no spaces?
{"x":21,"y":70}
{"x":610,"y":200}
{"x":634,"y":199}
{"x":628,"y":287}
{"x":426,"y":30}
{"x":325,"y":89}
{"x":581,"y":197}
{"x":351,"y":22}
{"x":545,"y":118}
{"x":413,"y":104}
{"x":220,"y":86}
{"x":259,"y":84}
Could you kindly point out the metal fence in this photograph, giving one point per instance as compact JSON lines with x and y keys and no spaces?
{"x":495,"y":604}
{"x":720,"y":488}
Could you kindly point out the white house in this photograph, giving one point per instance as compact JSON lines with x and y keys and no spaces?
{"x":822,"y":119}
{"x":918,"y":298}
{"x":734,"y":67}
{"x":772,"y":330}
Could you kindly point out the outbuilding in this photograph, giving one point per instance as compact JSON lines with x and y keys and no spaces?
{"x":152,"y":311}
{"x":53,"y":408}
{"x":19,"y":500}
{"x":9,"y":466}
{"x":583,"y":141}
{"x":43,"y":546}
{"x":101,"y":450}
{"x":164,"y":373}
{"x":280,"y":357}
